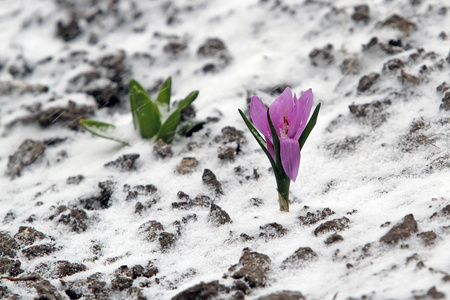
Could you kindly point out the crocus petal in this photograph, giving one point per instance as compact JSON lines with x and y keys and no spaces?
{"x":258,"y":113}
{"x":306,"y":102}
{"x":283,"y":105}
{"x":290,"y":157}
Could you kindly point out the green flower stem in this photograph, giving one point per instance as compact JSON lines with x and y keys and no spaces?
{"x":283,"y":183}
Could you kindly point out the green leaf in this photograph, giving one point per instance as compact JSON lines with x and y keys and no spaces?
{"x":262,"y":143}
{"x":309,"y":127}
{"x":188,"y":100}
{"x":276,"y":145}
{"x":146,"y":116}
{"x":168,"y":128}
{"x":190,"y":127}
{"x":164,"y":94}
{"x":103,"y":130}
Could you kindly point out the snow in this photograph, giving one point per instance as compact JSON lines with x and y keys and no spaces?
{"x":268,"y":46}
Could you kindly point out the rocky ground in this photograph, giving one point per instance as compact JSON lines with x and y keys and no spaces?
{"x":86,"y":218}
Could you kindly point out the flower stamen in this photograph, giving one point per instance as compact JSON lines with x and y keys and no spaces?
{"x":286,"y":123}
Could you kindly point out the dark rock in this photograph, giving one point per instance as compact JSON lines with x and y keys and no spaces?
{"x":445,"y":105}
{"x":399,"y":22}
{"x":427,"y":237}
{"x":201,"y":291}
{"x":18,"y":87}
{"x":27,"y":154}
{"x":175,"y":46}
{"x":209,"y":68}
{"x":77,"y":220}
{"x":350,"y":66}
{"x":300,"y":256}
{"x":8,"y":245}
{"x":150,"y":270}
{"x":187,"y":113}
{"x":432,"y":293}
{"x":26,"y":236}
{"x":75,"y":179}
{"x":162,"y":149}
{"x":374,"y":113}
{"x":120,"y":283}
{"x":166,"y":239}
{"x":112,"y":66}
{"x":199,"y":201}
{"x":272,"y":230}
{"x":322,"y":57}
{"x":415,"y":137}
{"x":124,"y":163}
{"x":210,"y":180}
{"x":59,"y":269}
{"x":151,"y":230}
{"x":212,"y":47}
{"x":284,"y":295}
{"x":103,"y":200}
{"x":253,"y":267}
{"x":187,"y":165}
{"x":256,"y":202}
{"x":367,"y":81}
{"x":361,"y":13}
{"x":104,"y":91}
{"x":393,"y":65}
{"x":139,"y":208}
{"x":68,"y":31}
{"x":313,"y":218}
{"x":400,"y":231}
{"x":10,"y":267}
{"x":65,"y":268}
{"x":445,"y":211}
{"x":333,"y":225}
{"x":405,"y":77}
{"x":20,"y":69}
{"x":68,"y":116}
{"x":230,"y":135}
{"x":135,"y":293}
{"x":334,"y":238}
{"x":78,"y":82}
{"x":227,"y":153}
{"x":218,"y":216}
{"x":392,"y":47}
{"x":46,"y":290}
{"x":443,"y":87}
{"x":9,"y":217}
{"x":38,"y":251}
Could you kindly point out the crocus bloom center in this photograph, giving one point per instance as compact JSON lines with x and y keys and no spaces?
{"x":289,"y":116}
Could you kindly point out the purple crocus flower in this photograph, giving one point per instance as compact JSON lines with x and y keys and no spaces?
{"x":289,"y":116}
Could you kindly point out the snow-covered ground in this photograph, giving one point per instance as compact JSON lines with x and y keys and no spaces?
{"x":369,"y":214}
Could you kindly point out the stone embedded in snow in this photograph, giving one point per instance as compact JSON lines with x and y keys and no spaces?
{"x":367,"y":81}
{"x":27,"y":154}
{"x":59,"y":269}
{"x":313,"y":218}
{"x":124,"y":163}
{"x":300,"y":256}
{"x":272,"y":230}
{"x":70,"y":30}
{"x":405,"y":77}
{"x":75,"y":179}
{"x":321,"y":57}
{"x":101,"y":201}
{"x":201,"y":291}
{"x":445,"y":105}
{"x":373,"y":113}
{"x":218,"y":216}
{"x":187,"y":165}
{"x":227,"y":153}
{"x":77,"y":220}
{"x":151,"y":230}
{"x":45,"y":289}
{"x":401,"y":231}
{"x":10,"y":267}
{"x":8,"y":245}
{"x":350,"y":66}
{"x":162,"y":149}
{"x":175,"y":46}
{"x":284,"y":295}
{"x":38,"y":251}
{"x":166,"y":239}
{"x":361,"y":13}
{"x":427,"y":237}
{"x":393,"y":65}
{"x":26,"y":236}
{"x":121,"y":283}
{"x":333,"y":225}
{"x":209,"y":179}
{"x":399,"y":22}
{"x":19,"y":87}
{"x":253,"y":267}
{"x":230,"y":135}
{"x":334,"y":238}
